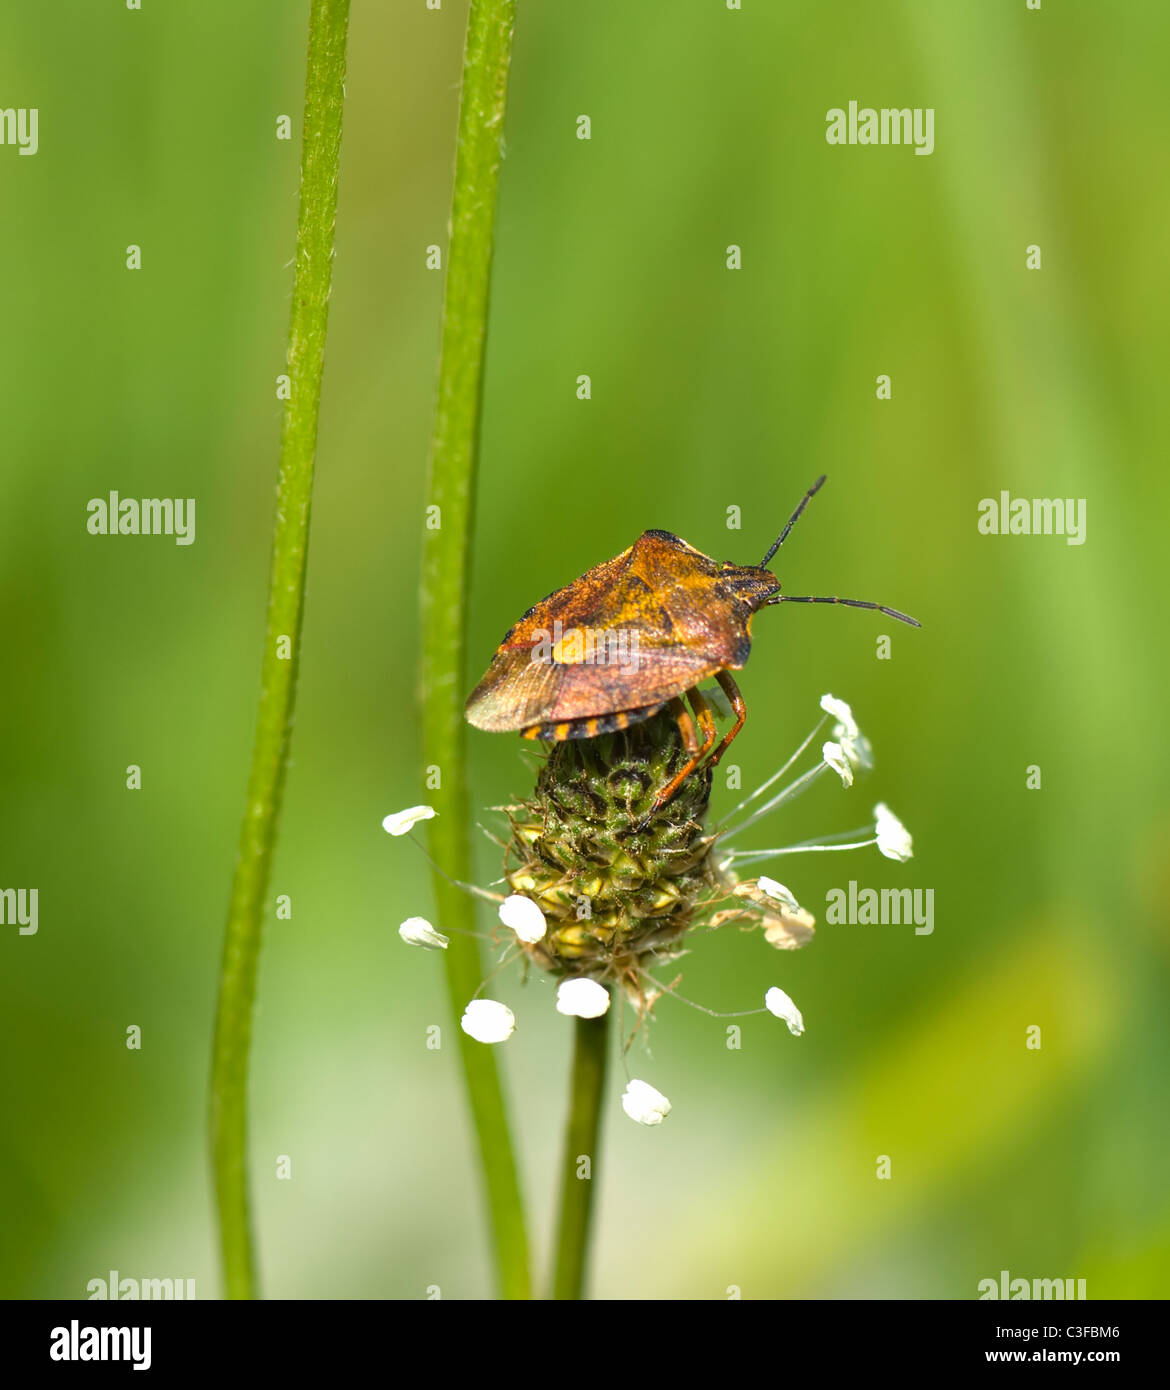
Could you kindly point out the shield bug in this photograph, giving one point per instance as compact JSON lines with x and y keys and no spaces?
{"x":632,"y":636}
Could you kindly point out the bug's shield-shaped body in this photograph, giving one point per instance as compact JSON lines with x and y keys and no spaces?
{"x":615,"y":645}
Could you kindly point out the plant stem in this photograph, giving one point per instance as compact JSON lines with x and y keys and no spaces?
{"x":446,"y":569}
{"x":590,"y":1045}
{"x":324,"y":79}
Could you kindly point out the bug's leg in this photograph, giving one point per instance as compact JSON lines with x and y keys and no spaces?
{"x":731,"y":690}
{"x":686,"y":727}
{"x":705,"y":717}
{"x":695,"y":752}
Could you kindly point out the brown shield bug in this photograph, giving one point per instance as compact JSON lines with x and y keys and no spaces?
{"x":632,"y":636}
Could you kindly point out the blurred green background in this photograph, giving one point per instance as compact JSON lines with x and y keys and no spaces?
{"x":710,"y":388}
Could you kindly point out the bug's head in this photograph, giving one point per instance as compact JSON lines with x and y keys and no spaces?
{"x":753,"y":584}
{"x":760,"y":587}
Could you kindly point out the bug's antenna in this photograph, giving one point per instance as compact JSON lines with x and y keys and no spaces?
{"x":783,"y":536}
{"x":848,"y":602}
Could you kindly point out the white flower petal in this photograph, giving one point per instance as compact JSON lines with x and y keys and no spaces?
{"x":524,"y":918}
{"x":487,"y":1021}
{"x":643,"y":1103}
{"x":778,"y":1003}
{"x":834,"y":756}
{"x":402,"y":822}
{"x":417,"y":931}
{"x":582,"y":998}
{"x":778,"y":891}
{"x":846,"y":724}
{"x":893,"y":839}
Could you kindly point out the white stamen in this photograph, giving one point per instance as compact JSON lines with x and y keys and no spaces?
{"x":778,"y":1003}
{"x":779,"y":892}
{"x":417,"y":931}
{"x":893,"y":839}
{"x":582,"y":998}
{"x":788,"y":793}
{"x":790,"y":930}
{"x":487,"y":1021}
{"x":825,"y":844}
{"x":402,"y":822}
{"x":643,"y":1103}
{"x":524,"y":918}
{"x":833,"y":755}
{"x":775,"y":777}
{"x":846,"y":724}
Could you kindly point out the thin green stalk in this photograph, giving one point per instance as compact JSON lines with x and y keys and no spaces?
{"x":446,"y":567}
{"x":590,"y":1046}
{"x":324,"y":93}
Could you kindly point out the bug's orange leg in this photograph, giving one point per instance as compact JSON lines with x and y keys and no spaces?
{"x":731,"y":690}
{"x":695,"y":753}
{"x":686,"y":727}
{"x":705,"y":717}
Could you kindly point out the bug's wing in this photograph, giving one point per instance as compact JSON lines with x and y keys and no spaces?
{"x":653,"y":622}
{"x":520,"y":687}
{"x":649,"y":624}
{"x":642,"y":677}
{"x":516,"y":691}
{"x":655,"y":645}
